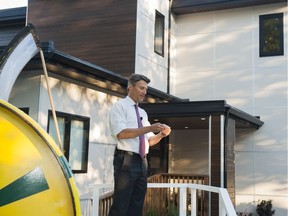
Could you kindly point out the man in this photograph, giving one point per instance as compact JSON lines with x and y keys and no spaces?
{"x":130,"y":163}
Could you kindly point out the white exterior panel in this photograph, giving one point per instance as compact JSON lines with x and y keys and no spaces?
{"x":217,"y":58}
{"x":148,"y":62}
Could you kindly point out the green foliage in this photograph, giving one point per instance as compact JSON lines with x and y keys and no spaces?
{"x":151,"y":212}
{"x":172,"y":210}
{"x":264,"y":208}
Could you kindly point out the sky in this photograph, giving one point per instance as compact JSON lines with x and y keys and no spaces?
{"x":4,"y":4}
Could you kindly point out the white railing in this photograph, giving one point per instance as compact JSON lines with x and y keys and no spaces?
{"x":225,"y":205}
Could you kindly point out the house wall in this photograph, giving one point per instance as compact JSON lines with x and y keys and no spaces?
{"x":100,"y":32}
{"x":28,"y":83}
{"x":72,"y":99}
{"x":217,"y":58}
{"x":147,"y":61}
{"x":89,"y":30}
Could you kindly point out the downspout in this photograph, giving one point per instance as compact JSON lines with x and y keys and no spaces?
{"x":169,"y":47}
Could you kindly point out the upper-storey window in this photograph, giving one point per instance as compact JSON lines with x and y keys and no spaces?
{"x":271,"y":35}
{"x":159,"y":34}
{"x":74,"y":135}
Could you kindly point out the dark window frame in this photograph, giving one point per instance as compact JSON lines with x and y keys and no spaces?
{"x":25,"y":110}
{"x":262,"y":35}
{"x":68,"y":118}
{"x":159,"y":18}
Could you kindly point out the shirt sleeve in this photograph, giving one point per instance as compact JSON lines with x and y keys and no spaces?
{"x":117,"y":119}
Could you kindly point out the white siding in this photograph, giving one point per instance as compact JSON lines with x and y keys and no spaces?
{"x":29,"y":85}
{"x":217,"y":57}
{"x":148,"y":62}
{"x":74,"y":99}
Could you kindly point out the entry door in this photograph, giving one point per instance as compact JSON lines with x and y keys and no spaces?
{"x":158,"y":158}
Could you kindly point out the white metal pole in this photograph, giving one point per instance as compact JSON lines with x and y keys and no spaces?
{"x":95,"y":200}
{"x":209,"y":163}
{"x":193,"y":202}
{"x":183,"y":201}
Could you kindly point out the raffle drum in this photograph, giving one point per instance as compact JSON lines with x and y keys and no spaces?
{"x":35,"y":178}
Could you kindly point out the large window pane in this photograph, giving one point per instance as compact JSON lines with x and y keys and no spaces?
{"x":61,"y":127}
{"x":74,"y":134}
{"x":77,"y":145}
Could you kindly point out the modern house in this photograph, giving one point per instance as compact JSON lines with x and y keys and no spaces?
{"x":219,"y":79}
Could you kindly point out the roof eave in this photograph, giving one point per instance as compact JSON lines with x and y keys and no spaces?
{"x":181,"y":7}
{"x":12,"y":16}
{"x":72,"y":68}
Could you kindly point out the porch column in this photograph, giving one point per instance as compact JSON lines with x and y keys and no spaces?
{"x":215,"y":161}
{"x":222,"y":157}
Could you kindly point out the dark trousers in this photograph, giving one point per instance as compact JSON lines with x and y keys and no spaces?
{"x":130,"y":185}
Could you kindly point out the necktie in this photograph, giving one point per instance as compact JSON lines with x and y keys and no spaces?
{"x":141,"y":137}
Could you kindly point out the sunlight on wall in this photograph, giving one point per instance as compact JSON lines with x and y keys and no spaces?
{"x":95,"y":131}
{"x":100,"y":167}
{"x":93,"y":177}
{"x":43,"y":120}
{"x":237,"y":102}
{"x":52,"y":82}
{"x":279,"y":87}
{"x":73,"y":92}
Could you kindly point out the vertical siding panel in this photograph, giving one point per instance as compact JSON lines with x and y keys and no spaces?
{"x":100,"y":32}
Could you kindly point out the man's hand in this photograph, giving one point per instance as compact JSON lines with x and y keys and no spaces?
{"x":161,"y":128}
{"x":166,"y":131}
{"x":157,"y":127}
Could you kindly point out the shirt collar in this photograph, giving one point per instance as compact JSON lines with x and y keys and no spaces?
{"x":130,"y":101}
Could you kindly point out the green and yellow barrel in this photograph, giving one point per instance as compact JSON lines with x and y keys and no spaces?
{"x":35,"y":177}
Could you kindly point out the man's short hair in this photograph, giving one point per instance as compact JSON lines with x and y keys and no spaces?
{"x":134,"y":78}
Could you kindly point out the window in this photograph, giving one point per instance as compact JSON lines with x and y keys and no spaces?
{"x":271,"y":35}
{"x":159,"y":34}
{"x":74,"y":135}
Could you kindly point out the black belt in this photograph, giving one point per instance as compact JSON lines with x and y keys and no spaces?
{"x":119,"y":151}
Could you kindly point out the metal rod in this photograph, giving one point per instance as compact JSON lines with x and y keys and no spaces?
{"x":50,"y":98}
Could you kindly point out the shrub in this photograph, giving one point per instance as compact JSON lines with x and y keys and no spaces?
{"x":264,"y":208}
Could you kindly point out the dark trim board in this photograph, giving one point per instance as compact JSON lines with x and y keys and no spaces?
{"x":13,"y":16}
{"x":180,"y":7}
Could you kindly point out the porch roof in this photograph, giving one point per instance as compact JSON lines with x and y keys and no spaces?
{"x":180,"y":7}
{"x":193,"y":114}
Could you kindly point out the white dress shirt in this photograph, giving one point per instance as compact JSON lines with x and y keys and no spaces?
{"x":122,"y":116}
